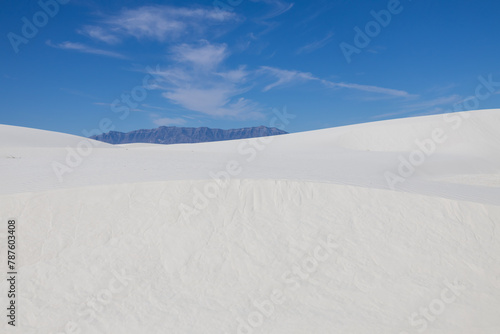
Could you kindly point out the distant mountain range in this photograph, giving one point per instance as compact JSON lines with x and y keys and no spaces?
{"x":178,"y":135}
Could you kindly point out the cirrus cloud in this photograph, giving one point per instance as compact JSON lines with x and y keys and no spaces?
{"x":85,"y":49}
{"x":287,"y":77}
{"x":197,"y":82}
{"x":158,"y":23}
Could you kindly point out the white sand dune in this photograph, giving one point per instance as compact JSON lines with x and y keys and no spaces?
{"x":300,"y":233}
{"x":357,"y":155}
{"x":19,"y":137}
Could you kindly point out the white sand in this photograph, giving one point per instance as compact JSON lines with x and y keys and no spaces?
{"x":140,"y":239}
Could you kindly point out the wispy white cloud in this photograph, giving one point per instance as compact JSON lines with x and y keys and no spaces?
{"x":207,"y":56}
{"x":215,"y":101}
{"x":369,"y":89}
{"x":236,"y":76}
{"x":284,"y":77}
{"x":85,"y":49}
{"x":197,"y":82}
{"x":316,"y":45}
{"x":159,"y":23}
{"x":100,"y":34}
{"x":155,"y":23}
{"x":279,"y":7}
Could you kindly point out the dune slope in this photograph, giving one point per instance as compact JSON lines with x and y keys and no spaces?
{"x":300,"y":233}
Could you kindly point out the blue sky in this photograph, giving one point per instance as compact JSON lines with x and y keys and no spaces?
{"x":227,"y":64}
